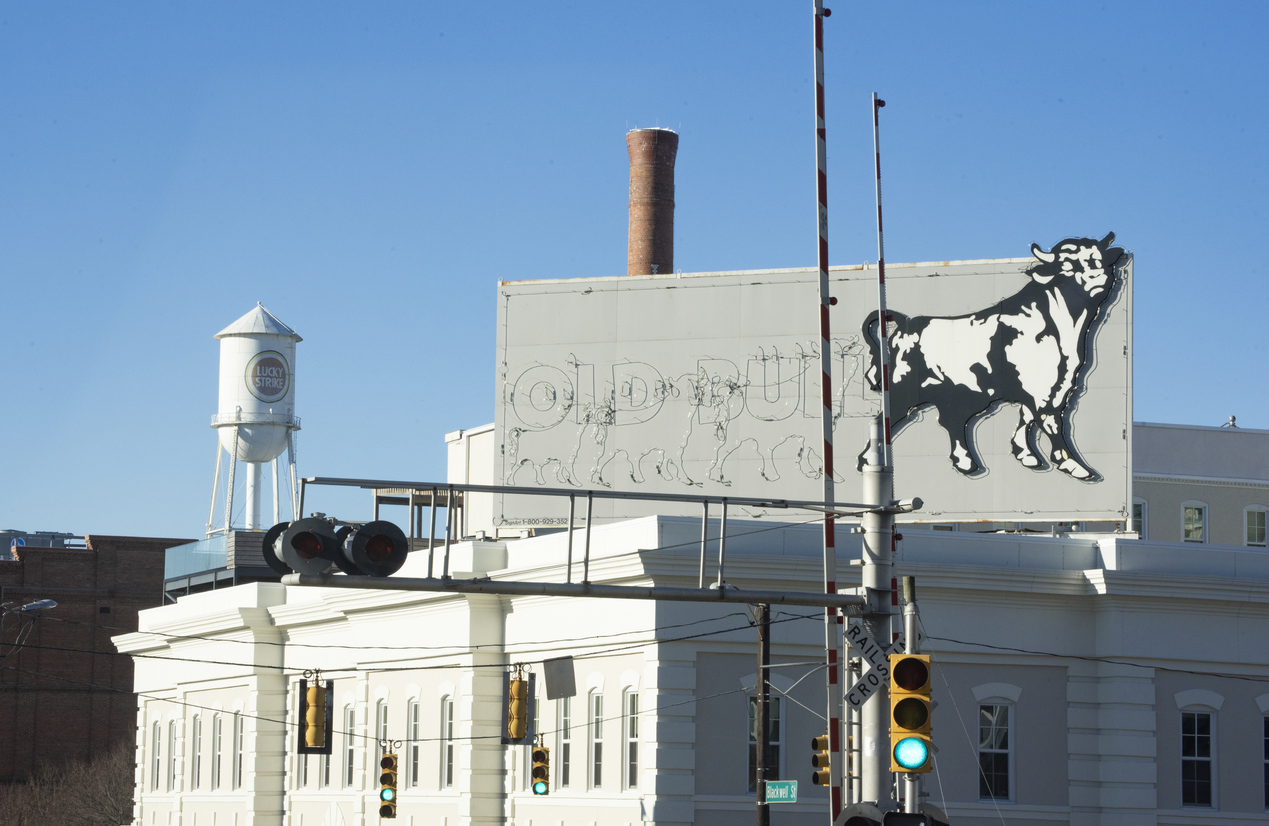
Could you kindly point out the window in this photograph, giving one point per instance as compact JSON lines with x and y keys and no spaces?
{"x":1254,"y":519}
{"x":171,"y":756}
{"x":596,"y":739}
{"x":412,"y":761}
{"x":632,"y":739}
{"x":994,"y":746}
{"x":156,"y":764}
{"x":447,"y":742}
{"x":323,"y":771}
{"x":566,"y":740}
{"x":216,"y":746}
{"x":1139,"y":524}
{"x":238,"y":734}
{"x":381,"y":726}
{"x":1196,"y":758}
{"x":196,"y":752}
{"x":349,"y":720}
{"x":773,"y":742}
{"x":1194,"y":522}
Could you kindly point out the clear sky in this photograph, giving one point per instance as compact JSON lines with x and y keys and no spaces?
{"x":368,"y":171}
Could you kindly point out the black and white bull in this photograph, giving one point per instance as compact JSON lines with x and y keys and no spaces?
{"x":1028,"y":349}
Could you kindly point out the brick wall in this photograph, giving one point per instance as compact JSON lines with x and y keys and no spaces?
{"x":66,"y":694}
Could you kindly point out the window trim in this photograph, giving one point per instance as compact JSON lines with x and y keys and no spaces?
{"x":381,"y":729}
{"x":1207,"y":520}
{"x":240,"y":736}
{"x":412,"y":723}
{"x":630,"y":740}
{"x":595,"y":739}
{"x":564,"y":742}
{"x":1255,"y":509}
{"x":447,"y":742}
{"x":218,"y":730}
{"x":347,"y":776}
{"x":196,"y":748}
{"x":156,"y":759}
{"x":171,"y":755}
{"x":1011,"y":752}
{"x":1144,"y":533}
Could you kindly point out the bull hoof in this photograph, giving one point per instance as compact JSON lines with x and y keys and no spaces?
{"x":1029,"y":461}
{"x":1074,"y":469}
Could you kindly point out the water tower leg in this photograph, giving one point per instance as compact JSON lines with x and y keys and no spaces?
{"x":277,"y":495}
{"x":211,"y":511}
{"x":253,"y":496}
{"x":229,"y":497}
{"x":295,"y":488}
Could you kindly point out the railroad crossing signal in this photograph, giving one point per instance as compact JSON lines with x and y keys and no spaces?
{"x":388,"y":786}
{"x":315,"y":546}
{"x":541,"y":770}
{"x":821,"y":776}
{"x":910,"y":713}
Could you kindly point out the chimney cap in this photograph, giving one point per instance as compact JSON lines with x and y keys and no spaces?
{"x":651,"y":129}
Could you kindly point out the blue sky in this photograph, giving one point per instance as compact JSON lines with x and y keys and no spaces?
{"x":369,"y":171}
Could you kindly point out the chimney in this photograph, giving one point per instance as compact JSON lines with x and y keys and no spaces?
{"x":652,"y":153}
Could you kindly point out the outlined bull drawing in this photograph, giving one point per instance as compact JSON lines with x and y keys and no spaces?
{"x":1028,"y":349}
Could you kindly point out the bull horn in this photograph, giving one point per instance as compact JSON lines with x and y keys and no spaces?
{"x":1046,"y":257}
{"x":1107,"y":241}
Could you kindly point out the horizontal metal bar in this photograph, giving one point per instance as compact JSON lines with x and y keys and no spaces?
{"x":850,"y":604}
{"x":841,"y":508}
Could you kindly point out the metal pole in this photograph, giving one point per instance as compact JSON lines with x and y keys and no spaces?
{"x":211,"y":511}
{"x":700,"y":582}
{"x":832,"y":631}
{"x":762,"y":712}
{"x":277,"y":494}
{"x":875,"y":779}
{"x":912,"y":790}
{"x":297,"y":502}
{"x":572,"y":506}
{"x":449,"y":520}
{"x":431,"y":536}
{"x":722,"y":543}
{"x":590,"y":500}
{"x":882,"y":320}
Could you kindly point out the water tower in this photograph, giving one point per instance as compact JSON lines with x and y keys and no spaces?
{"x":256,"y":419}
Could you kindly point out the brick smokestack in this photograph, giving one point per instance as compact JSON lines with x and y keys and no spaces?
{"x":652,"y":153}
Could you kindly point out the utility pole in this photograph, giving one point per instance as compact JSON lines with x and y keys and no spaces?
{"x":762,"y":713}
{"x":875,"y":777}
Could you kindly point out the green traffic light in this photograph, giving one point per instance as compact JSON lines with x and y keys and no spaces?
{"x":539,"y":787}
{"x":387,"y":795}
{"x":911,"y":753}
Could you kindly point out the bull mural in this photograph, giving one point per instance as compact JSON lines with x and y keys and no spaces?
{"x":1029,"y":349}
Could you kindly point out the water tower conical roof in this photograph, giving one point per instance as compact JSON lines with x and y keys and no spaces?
{"x":257,"y":321}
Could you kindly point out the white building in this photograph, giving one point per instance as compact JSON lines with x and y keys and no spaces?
{"x":1119,"y":672}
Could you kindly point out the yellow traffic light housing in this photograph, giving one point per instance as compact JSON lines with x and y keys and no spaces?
{"x":517,"y":708}
{"x":910,"y":704}
{"x":541,"y":770}
{"x":388,"y":786}
{"x":518,"y":702}
{"x":822,"y":776}
{"x":317,"y":724}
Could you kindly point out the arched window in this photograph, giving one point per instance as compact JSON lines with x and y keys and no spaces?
{"x":156,"y":764}
{"x":997,"y":707}
{"x":596,"y":733}
{"x":171,"y":756}
{"x":196,"y":753}
{"x":238,"y":738}
{"x":447,"y":742}
{"x":217,"y":746}
{"x":1198,"y":708}
{"x":630,"y":705}
{"x":412,"y":757}
{"x":381,"y":727}
{"x":349,"y":720}
{"x":565,"y":742}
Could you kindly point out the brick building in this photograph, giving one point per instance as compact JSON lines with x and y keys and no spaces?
{"x":67,"y":694}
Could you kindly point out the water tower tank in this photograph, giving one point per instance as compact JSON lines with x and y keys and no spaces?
{"x":257,"y":386}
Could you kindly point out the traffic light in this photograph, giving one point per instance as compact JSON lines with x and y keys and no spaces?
{"x":314,"y":546}
{"x":822,"y":776}
{"x":910,"y":748}
{"x":388,"y":786}
{"x":517,"y":708}
{"x":315,"y":712}
{"x":541,"y":770}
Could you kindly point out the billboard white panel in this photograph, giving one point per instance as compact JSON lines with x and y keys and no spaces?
{"x":1012,"y":389}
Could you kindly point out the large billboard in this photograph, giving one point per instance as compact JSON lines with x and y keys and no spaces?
{"x":1011,"y":386}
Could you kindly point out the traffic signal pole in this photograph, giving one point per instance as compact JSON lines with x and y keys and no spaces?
{"x":762,"y":713}
{"x":878,"y":523}
{"x":912,"y":781}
